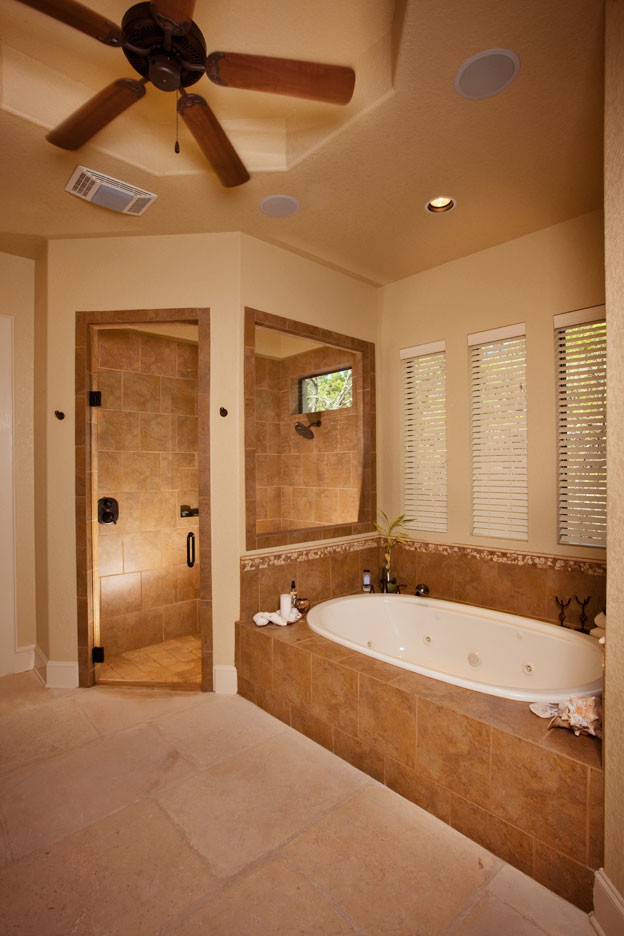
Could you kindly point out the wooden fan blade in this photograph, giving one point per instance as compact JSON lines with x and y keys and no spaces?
{"x":331,"y":83}
{"x":80,"y":17}
{"x":174,"y":11}
{"x":96,"y":113}
{"x":212,"y":140}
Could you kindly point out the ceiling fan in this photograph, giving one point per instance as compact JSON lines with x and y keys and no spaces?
{"x":163,"y":44}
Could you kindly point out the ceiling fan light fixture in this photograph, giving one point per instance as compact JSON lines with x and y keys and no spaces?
{"x":279,"y":206}
{"x":440,"y":203}
{"x":487,"y":73}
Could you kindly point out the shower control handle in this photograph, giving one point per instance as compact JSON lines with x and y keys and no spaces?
{"x":190,"y":550}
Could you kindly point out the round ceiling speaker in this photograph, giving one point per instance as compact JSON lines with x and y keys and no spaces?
{"x":279,"y":206}
{"x":487,"y":73}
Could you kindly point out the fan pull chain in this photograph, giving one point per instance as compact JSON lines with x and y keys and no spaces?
{"x":177,"y":142}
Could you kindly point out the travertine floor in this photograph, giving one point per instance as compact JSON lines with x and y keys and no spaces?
{"x":175,"y":662}
{"x":152,"y":813}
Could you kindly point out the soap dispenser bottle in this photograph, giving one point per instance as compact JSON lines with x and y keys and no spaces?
{"x":293,"y":593}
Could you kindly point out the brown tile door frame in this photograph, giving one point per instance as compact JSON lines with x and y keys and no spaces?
{"x":368,"y":496}
{"x":84,"y":519}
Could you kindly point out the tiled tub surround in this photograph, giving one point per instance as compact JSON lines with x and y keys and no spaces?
{"x":256,"y":508}
{"x":305,"y":483}
{"x":487,"y":766}
{"x":505,"y":580}
{"x":146,"y":457}
{"x":154,"y":486}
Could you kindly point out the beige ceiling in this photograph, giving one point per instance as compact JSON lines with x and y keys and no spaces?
{"x":517,"y":162}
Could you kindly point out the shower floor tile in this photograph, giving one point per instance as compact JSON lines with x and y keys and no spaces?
{"x":174,"y":663}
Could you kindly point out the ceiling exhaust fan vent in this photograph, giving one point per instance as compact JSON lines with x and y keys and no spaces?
{"x":110,"y":193}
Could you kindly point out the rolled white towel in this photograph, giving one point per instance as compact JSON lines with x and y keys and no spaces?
{"x":601,"y":620}
{"x":262,"y":618}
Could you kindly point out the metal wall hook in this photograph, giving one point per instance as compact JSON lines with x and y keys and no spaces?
{"x":582,"y":615}
{"x":563,"y":605}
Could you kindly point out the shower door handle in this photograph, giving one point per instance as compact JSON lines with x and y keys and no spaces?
{"x":190,"y":550}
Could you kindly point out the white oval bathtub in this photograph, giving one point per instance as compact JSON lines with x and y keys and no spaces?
{"x":502,"y":654}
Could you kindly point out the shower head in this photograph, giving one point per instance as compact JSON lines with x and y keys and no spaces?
{"x":306,"y":431}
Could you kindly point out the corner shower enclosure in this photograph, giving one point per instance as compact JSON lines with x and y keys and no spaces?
{"x":145,"y":504}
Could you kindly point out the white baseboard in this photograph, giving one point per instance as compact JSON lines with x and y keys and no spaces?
{"x":225,"y":679}
{"x":608,"y":916}
{"x":24,"y":659}
{"x":55,"y":674}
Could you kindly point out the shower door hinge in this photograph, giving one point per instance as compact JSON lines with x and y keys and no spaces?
{"x":97,"y":654}
{"x":95,"y":397}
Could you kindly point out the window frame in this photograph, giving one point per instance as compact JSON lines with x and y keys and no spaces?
{"x":569,"y":513}
{"x":335,"y":409}
{"x":499,"y":474}
{"x":436,"y":521}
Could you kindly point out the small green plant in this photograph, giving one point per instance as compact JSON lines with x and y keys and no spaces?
{"x":393,"y":532}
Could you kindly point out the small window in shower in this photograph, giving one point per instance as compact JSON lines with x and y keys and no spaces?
{"x":330,"y":391}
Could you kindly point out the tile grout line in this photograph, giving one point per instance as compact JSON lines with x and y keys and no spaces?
{"x":324,"y":895}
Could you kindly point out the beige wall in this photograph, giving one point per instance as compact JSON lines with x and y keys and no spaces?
{"x":40,"y":451}
{"x":139,"y":273}
{"x":614,"y":260}
{"x":526,"y":280}
{"x":220,"y":271}
{"x":17,"y":288}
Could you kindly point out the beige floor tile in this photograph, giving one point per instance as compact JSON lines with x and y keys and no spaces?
{"x":152,"y":670}
{"x":491,"y":917}
{"x":174,"y":661}
{"x":184,"y":653}
{"x":190,"y":673}
{"x":272,"y":899}
{"x":235,"y":812}
{"x":30,"y":733}
{"x":88,"y":884}
{"x":126,"y":669}
{"x":112,"y":709}
{"x":48,"y":800}
{"x":23,"y":690}
{"x":382,"y":859}
{"x":552,"y":913}
{"x":225,"y":726}
{"x":104,"y":671}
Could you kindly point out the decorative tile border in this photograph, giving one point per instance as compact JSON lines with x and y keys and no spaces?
{"x":511,"y":557}
{"x":504,"y":556}
{"x":250,"y":563}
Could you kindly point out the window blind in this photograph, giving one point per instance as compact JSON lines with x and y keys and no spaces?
{"x":581,"y":365}
{"x":423,"y":376}
{"x":499,"y":435}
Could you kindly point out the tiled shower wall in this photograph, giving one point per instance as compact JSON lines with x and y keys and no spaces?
{"x":306,"y":483}
{"x":145,"y":455}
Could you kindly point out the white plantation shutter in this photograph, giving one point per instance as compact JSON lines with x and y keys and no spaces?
{"x":581,"y":365}
{"x":499,"y":433}
{"x":423,"y":378}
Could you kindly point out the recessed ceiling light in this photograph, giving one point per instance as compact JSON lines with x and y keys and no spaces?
{"x":487,"y":73}
{"x":279,"y":206}
{"x":439,"y":204}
